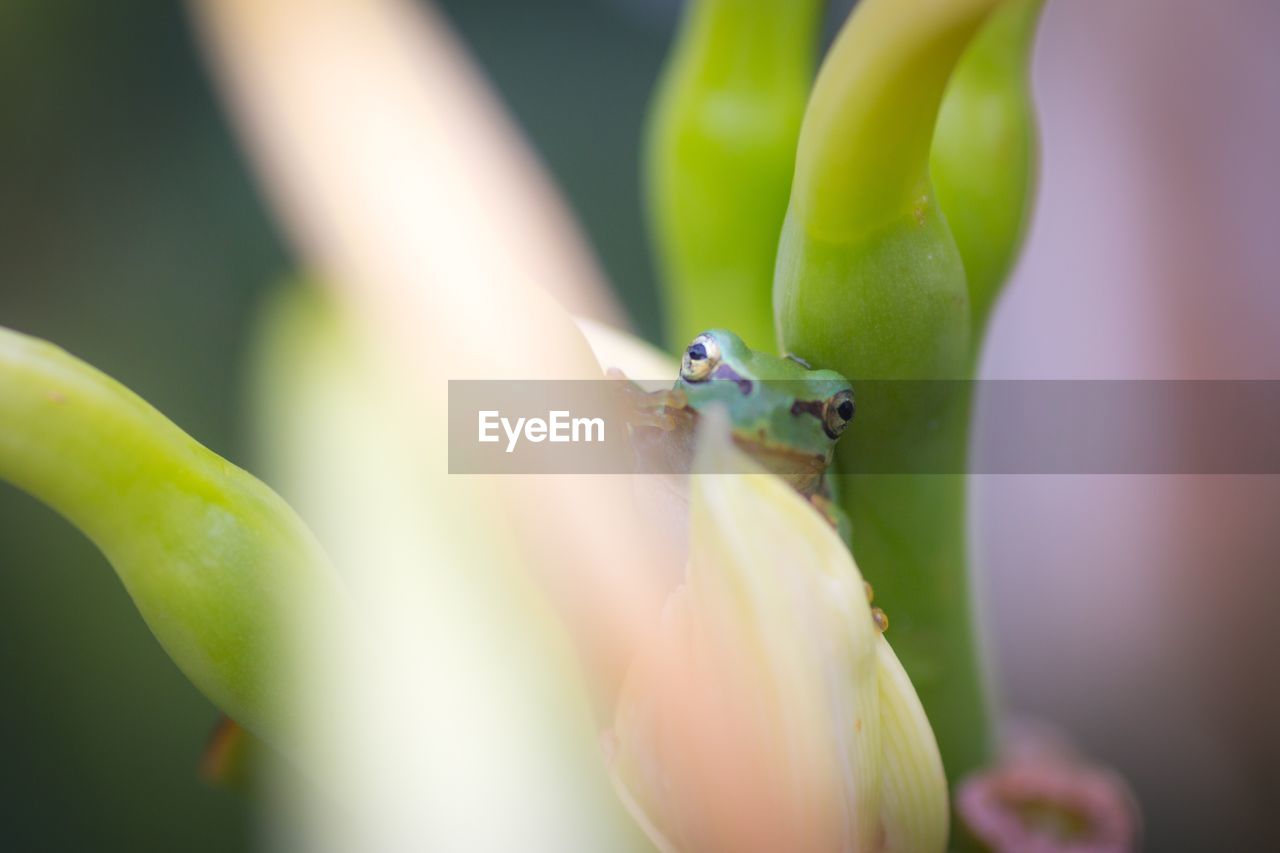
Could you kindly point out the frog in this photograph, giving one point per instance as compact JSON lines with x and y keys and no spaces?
{"x":783,"y":413}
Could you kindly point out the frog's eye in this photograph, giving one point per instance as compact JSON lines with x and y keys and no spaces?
{"x":700,"y":359}
{"x":837,"y":412}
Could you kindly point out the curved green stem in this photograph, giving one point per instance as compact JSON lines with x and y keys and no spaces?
{"x":720,"y":154}
{"x":863,"y":151}
{"x":983,"y":160}
{"x":870,"y":282}
{"x":212,"y":558}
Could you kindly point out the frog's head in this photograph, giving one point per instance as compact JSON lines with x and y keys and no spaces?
{"x":773,"y":402}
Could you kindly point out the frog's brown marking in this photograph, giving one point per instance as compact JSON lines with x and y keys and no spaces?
{"x":802,"y":471}
{"x":816,"y":408}
{"x":724,"y":371}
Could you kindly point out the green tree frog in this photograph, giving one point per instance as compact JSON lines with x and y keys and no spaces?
{"x":782,"y":413}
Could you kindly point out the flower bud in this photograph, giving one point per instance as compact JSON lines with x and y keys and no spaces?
{"x":768,"y":712}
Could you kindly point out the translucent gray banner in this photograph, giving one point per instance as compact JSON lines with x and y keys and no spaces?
{"x":1021,"y":427}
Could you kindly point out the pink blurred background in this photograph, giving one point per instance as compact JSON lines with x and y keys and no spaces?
{"x":1139,"y":612}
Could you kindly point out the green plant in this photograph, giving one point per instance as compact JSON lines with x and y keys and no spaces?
{"x":871,"y":281}
{"x":811,"y":215}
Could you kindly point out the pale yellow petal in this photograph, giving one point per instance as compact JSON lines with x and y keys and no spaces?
{"x":915,"y":810}
{"x":639,"y":360}
{"x":752,"y":719}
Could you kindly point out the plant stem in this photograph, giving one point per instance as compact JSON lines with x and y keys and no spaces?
{"x":870,"y":282}
{"x":212,"y":558}
{"x":719,"y":158}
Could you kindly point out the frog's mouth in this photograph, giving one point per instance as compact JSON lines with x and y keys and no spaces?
{"x":802,"y":471}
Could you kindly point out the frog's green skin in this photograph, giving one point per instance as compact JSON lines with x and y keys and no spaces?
{"x":777,"y":406}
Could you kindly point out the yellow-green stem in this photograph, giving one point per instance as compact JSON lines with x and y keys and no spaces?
{"x":984,"y":153}
{"x":213,"y":559}
{"x":720,"y":154}
{"x":870,"y":282}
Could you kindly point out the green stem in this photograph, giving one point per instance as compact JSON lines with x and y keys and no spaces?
{"x":720,"y":155}
{"x":983,"y":160}
{"x":863,"y":151}
{"x":212,"y":558}
{"x":870,"y":282}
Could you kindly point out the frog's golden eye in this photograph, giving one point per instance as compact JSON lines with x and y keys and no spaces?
{"x":837,"y":412}
{"x":700,"y":359}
